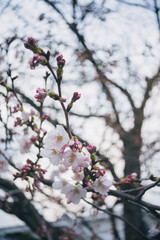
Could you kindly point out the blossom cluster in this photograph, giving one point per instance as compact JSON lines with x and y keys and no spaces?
{"x":39,"y":55}
{"x":63,"y":150}
{"x":28,"y":120}
{"x":130,"y":181}
{"x":70,"y":154}
{"x":33,"y":170}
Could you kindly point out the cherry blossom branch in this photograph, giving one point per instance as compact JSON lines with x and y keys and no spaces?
{"x":139,"y":196}
{"x":54,"y":122}
{"x":125,"y":196}
{"x":62,"y":104}
{"x":122,"y":194}
{"x":65,"y":112}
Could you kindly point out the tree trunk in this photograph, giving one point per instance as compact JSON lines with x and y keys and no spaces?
{"x":132,"y":147}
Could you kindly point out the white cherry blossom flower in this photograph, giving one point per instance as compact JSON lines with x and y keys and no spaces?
{"x":102,"y":185}
{"x":75,"y":193}
{"x":86,"y":160}
{"x":54,"y":155}
{"x":62,"y":184}
{"x":73,"y":159}
{"x":54,"y":145}
{"x":78,"y":176}
{"x":62,"y":168}
{"x":25,"y":116}
{"x":57,"y":138}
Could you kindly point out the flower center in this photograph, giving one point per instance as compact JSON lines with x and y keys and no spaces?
{"x":76,"y":190}
{"x":72,"y":158}
{"x":59,"y":138}
{"x":54,"y":152}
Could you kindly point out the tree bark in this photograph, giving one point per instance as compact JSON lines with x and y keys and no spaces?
{"x":132,"y":148}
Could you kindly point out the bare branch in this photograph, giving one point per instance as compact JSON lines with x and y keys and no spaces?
{"x":119,"y":217}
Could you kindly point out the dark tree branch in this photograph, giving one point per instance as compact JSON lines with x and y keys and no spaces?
{"x":147,"y":7}
{"x":119,"y":217}
{"x":24,"y":210}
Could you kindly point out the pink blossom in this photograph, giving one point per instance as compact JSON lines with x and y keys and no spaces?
{"x":60,"y":61}
{"x":89,"y":184}
{"x":30,"y":42}
{"x":37,"y":130}
{"x":62,"y":168}
{"x":61,"y":99}
{"x":128,"y":180}
{"x":75,"y":193}
{"x":18,"y":122}
{"x":133,"y":176}
{"x":102,"y":185}
{"x":73,"y":159}
{"x":42,"y":94}
{"x":75,"y":144}
{"x":91,"y":149}
{"x":33,"y":139}
{"x":59,"y":58}
{"x":36,"y":60}
{"x":57,"y":138}
{"x":54,"y":145}
{"x":62,"y":184}
{"x":86,"y":160}
{"x":76,"y":96}
{"x":32,"y":113}
{"x":100,"y":172}
{"x":78,"y":176}
{"x":44,"y":116}
{"x":25,"y":116}
{"x":16,"y":108}
{"x":71,"y":142}
{"x":53,"y":154}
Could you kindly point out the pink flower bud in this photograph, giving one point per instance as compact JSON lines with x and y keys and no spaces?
{"x":102,"y":171}
{"x":128,"y":180}
{"x":41,"y":94}
{"x":76,"y":96}
{"x":44,"y":116}
{"x":33,"y":139}
{"x":36,"y":60}
{"x":30,"y":41}
{"x":61,"y":99}
{"x":91,"y":149}
{"x":59,"y":58}
{"x":60,"y":61}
